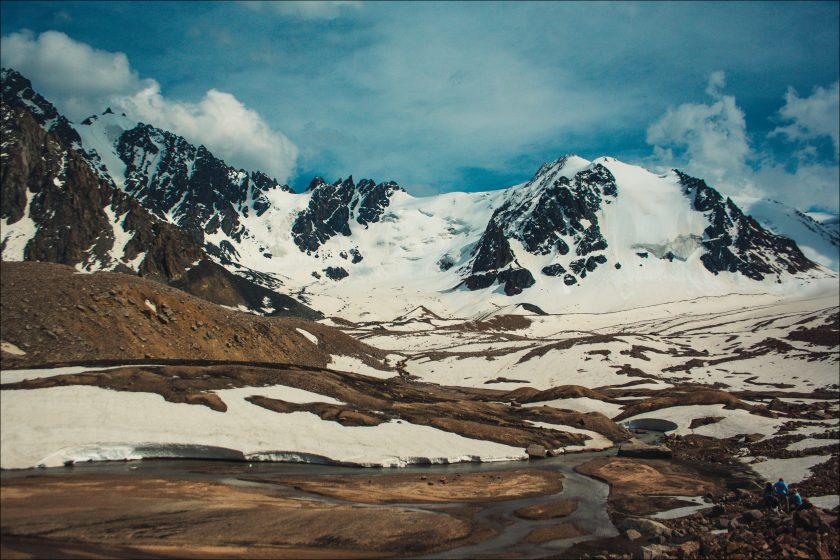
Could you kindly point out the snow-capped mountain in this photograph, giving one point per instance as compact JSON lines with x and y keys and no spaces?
{"x":58,"y":205}
{"x":174,"y":179}
{"x":817,"y":236}
{"x":580,"y":235}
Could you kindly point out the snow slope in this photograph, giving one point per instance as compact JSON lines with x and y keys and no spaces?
{"x":819,"y":241}
{"x":414,"y":255}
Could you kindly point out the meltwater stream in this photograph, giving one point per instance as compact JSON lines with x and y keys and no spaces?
{"x":590,"y":516}
{"x":590,"y":494}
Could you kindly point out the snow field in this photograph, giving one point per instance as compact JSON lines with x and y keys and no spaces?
{"x":48,"y":426}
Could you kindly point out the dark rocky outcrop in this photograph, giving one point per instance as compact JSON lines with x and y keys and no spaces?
{"x":332,"y":207}
{"x":515,"y":280}
{"x":77,"y":213}
{"x":336,"y":273}
{"x":554,"y":270}
{"x":552,"y":214}
{"x":735,"y":242}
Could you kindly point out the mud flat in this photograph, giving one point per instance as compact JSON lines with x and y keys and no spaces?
{"x":136,"y":516}
{"x":214,"y":509}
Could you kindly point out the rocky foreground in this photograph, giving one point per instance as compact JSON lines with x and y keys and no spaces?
{"x":734,"y":523}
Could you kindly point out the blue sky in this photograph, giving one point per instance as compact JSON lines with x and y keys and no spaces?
{"x":459,"y":96}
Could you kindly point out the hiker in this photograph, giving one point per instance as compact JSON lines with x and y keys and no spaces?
{"x":769,"y":495}
{"x":782,"y":494}
{"x":798,"y":501}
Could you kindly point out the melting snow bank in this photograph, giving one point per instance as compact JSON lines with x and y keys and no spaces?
{"x":80,"y":423}
{"x":830,"y":501}
{"x":355,"y":365}
{"x":122,"y":452}
{"x":793,"y":470}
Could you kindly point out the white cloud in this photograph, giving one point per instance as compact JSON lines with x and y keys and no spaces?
{"x":717,"y":81}
{"x":81,"y":81}
{"x":711,"y":141}
{"x":223,"y":124}
{"x":77,"y":77}
{"x":812,"y":117}
{"x":306,"y":9}
{"x":713,"y":137}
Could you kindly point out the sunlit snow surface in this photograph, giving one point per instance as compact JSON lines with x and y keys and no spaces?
{"x":403,"y":251}
{"x":52,"y":426}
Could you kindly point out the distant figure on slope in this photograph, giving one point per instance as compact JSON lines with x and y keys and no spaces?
{"x":782,"y":494}
{"x":798,"y":501}
{"x":769,"y":495}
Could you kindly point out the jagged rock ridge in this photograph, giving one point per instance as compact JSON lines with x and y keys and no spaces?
{"x":58,"y":207}
{"x":184,"y":184}
{"x":552,"y":214}
{"x":332,"y":207}
{"x":735,"y":242}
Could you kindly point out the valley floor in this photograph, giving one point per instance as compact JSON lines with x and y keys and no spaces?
{"x":745,"y":387}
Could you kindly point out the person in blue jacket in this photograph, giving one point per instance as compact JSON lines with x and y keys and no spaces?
{"x":782,"y":494}
{"x":798,"y":501}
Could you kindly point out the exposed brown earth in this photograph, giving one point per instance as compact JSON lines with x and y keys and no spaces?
{"x":550,"y":510}
{"x":57,"y":315}
{"x":529,"y":394}
{"x":414,"y":488}
{"x":344,"y":415}
{"x":632,"y":478}
{"x":553,"y":532}
{"x":120,"y":516}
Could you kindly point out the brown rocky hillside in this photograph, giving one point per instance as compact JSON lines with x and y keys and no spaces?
{"x":55,"y":314}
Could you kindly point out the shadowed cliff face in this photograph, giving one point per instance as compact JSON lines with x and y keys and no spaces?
{"x":735,"y":242}
{"x":550,"y":215}
{"x":333,"y":206}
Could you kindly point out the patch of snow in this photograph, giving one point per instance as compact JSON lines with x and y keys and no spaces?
{"x":47,"y":426}
{"x":734,"y":421}
{"x":595,"y":442}
{"x":10,"y":348}
{"x":151,"y":305}
{"x":355,"y":365}
{"x":18,"y":375}
{"x":699,"y":503}
{"x":14,"y":237}
{"x":280,"y":392}
{"x":308,"y":335}
{"x":829,"y":501}
{"x":792,"y":470}
{"x":582,"y":404}
{"x":810,"y":443}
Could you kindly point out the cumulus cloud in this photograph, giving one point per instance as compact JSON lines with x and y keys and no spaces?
{"x":812,"y":117}
{"x":712,"y":137}
{"x":75,"y":76}
{"x":306,"y":9}
{"x":223,"y":124}
{"x":710,"y":140}
{"x":81,"y":81}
